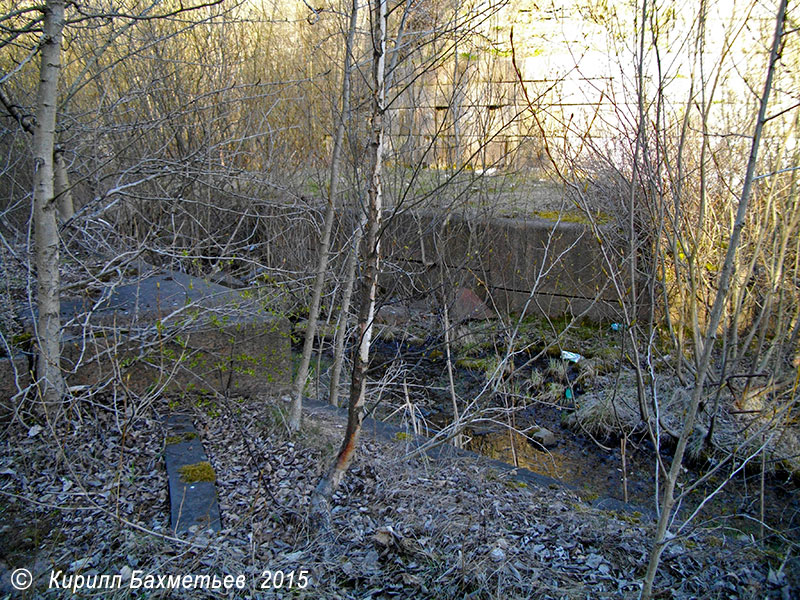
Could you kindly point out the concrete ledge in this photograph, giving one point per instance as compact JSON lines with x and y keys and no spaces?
{"x":192,"y":504}
{"x":387,"y":431}
{"x":169,"y":296}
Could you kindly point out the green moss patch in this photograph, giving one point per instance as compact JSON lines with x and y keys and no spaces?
{"x":23,"y":340}
{"x":202,"y":471}
{"x":183,"y":437}
{"x":572,"y":217}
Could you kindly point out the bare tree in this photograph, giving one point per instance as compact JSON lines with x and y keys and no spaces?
{"x":690,"y":258}
{"x":323,"y":250}
{"x":45,"y":208}
{"x":721,"y":298}
{"x":369,"y":282}
{"x":343,"y":322}
{"x":61,"y":185}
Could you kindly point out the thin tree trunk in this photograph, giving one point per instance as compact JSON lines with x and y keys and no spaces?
{"x":296,"y":409}
{"x":369,"y":284}
{"x":48,"y":331}
{"x":710,"y":337}
{"x":457,"y":438}
{"x":62,"y":188}
{"x":344,"y":316}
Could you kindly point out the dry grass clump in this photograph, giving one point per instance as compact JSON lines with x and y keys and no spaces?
{"x":787,"y":452}
{"x":612,"y":408}
{"x":588,"y":371}
{"x":536,"y":379}
{"x":553,"y":393}
{"x":557,"y":369}
{"x":604,"y":413}
{"x":606,"y":358}
{"x":612,"y":405}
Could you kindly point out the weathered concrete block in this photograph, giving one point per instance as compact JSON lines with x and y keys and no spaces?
{"x":244,"y":357}
{"x":164,"y":297}
{"x":14,"y":375}
{"x":561,"y":261}
{"x":426,"y":238}
{"x":557,"y":258}
{"x":176,"y":332}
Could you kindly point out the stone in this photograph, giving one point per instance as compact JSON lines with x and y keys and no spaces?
{"x":544,"y":437}
{"x":467,"y":306}
{"x":393,"y":315}
{"x":497,"y":555}
{"x":593,"y":561}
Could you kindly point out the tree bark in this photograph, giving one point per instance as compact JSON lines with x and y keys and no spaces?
{"x":369,"y":283}
{"x":62,"y":189}
{"x":296,"y":409}
{"x":48,"y":330}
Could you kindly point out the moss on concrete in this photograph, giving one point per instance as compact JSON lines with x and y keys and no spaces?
{"x":183,"y":437}
{"x":572,"y":217}
{"x":202,"y":471}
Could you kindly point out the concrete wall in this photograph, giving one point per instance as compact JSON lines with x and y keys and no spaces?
{"x":503,"y":259}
